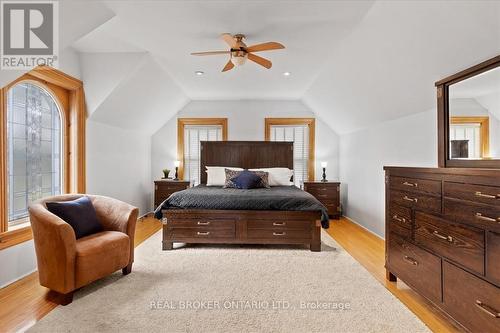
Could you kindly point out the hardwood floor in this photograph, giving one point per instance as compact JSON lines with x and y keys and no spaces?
{"x":24,"y":302}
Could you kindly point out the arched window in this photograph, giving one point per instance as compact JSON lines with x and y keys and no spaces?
{"x":42,"y":145}
{"x":34,"y":147}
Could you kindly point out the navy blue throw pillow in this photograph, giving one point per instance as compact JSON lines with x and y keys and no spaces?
{"x":79,"y":214}
{"x":247,"y":180}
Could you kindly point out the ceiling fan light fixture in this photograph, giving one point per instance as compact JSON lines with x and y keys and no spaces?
{"x":199,"y":73}
{"x":287,"y":73}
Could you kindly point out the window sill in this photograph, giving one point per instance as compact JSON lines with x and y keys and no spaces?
{"x":14,"y":237}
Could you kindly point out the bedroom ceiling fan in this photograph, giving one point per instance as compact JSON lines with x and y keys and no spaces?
{"x":239,"y":52}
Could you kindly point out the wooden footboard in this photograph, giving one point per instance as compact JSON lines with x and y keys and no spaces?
{"x":241,"y":227}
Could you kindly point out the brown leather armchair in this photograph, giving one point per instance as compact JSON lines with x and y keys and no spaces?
{"x":66,"y":263}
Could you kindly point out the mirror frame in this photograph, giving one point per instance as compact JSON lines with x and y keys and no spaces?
{"x":443,"y":117}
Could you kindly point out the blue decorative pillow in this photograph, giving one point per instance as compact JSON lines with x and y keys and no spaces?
{"x":79,"y":214}
{"x":247,"y":180}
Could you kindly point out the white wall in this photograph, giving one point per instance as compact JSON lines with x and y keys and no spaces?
{"x":245,"y":122}
{"x":408,"y":141}
{"x":119,"y":164}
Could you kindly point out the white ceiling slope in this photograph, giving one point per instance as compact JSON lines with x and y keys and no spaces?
{"x":103,"y":72}
{"x":143,"y":101}
{"x":171,"y":30}
{"x":387,"y":67}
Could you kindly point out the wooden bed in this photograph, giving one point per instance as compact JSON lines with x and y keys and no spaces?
{"x":242,"y":226}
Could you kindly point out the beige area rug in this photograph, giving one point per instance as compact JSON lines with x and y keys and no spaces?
{"x":236,"y":289}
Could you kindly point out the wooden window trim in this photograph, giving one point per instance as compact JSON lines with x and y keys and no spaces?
{"x":74,"y":119}
{"x":484,"y":123}
{"x":310,"y":122}
{"x":182,"y":122}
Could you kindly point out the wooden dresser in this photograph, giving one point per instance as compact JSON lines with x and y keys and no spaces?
{"x":328,"y":193}
{"x":164,"y":188}
{"x":443,"y":239}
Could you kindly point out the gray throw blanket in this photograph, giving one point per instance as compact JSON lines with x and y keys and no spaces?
{"x":215,"y":197}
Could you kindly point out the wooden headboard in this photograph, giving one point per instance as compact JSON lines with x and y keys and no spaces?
{"x":245,"y":154}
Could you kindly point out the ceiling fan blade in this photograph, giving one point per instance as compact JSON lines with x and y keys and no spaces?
{"x":209,"y":53}
{"x":229,"y":39}
{"x":261,"y":61}
{"x":265,"y":47}
{"x":228,"y":66}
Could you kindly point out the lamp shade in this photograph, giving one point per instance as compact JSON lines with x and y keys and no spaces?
{"x":177,"y":164}
{"x":324,"y":164}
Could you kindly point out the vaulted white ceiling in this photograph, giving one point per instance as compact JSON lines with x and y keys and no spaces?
{"x":354,"y":63}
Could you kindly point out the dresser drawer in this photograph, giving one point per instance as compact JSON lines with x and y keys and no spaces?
{"x":416,"y":267}
{"x":400,"y":221}
{"x":493,"y":257}
{"x":179,"y":233}
{"x":202,"y":223}
{"x":477,"y":193}
{"x":476,"y":214}
{"x":416,"y":200}
{"x":332,"y":206}
{"x":471,"y":301}
{"x":279,"y":225}
{"x":458,"y":242}
{"x":278,"y":234}
{"x":416,"y":185}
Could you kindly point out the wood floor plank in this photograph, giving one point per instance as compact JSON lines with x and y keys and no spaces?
{"x":24,"y":302}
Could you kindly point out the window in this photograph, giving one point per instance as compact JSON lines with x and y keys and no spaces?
{"x":469,"y":137}
{"x":34,"y":145}
{"x":300,"y":131}
{"x":190,"y":132}
{"x":42,"y":145}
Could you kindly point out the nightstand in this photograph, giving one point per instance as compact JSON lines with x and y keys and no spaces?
{"x":165,"y":187}
{"x":328,"y":193}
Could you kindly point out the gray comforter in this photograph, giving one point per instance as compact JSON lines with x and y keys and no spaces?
{"x":215,"y":197}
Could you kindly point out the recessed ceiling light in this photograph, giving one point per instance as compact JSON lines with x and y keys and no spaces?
{"x":199,"y":73}
{"x":287,"y":73}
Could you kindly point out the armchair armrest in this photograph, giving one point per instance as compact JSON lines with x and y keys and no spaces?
{"x":116,"y":215}
{"x":55,"y":245}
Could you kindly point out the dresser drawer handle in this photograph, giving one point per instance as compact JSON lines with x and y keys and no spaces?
{"x":279,"y":233}
{"x":410,"y":199}
{"x":203,"y":223}
{"x":480,"y":216}
{"x":399,"y":219}
{"x":411,"y":260}
{"x":489,"y":196}
{"x":410,"y":184}
{"x":488,"y":309}
{"x":279,"y":224}
{"x":203,"y":233}
{"x":446,"y":238}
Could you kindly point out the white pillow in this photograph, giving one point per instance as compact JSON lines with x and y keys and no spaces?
{"x":278,"y":176}
{"x":216,"y":176}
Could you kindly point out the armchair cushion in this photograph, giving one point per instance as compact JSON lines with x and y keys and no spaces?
{"x":100,"y":254}
{"x":79,"y":213}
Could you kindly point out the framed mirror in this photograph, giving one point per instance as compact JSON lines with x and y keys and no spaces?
{"x":469,"y":117}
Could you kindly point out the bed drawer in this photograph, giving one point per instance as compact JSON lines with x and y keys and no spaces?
{"x":416,"y":200}
{"x":279,"y":225}
{"x":416,"y":267}
{"x":455,"y":241}
{"x":476,"y":214}
{"x":416,"y":185}
{"x":202,"y":223}
{"x":180,"y":233}
{"x":278,"y":234}
{"x":477,"y":193}
{"x":471,"y":301}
